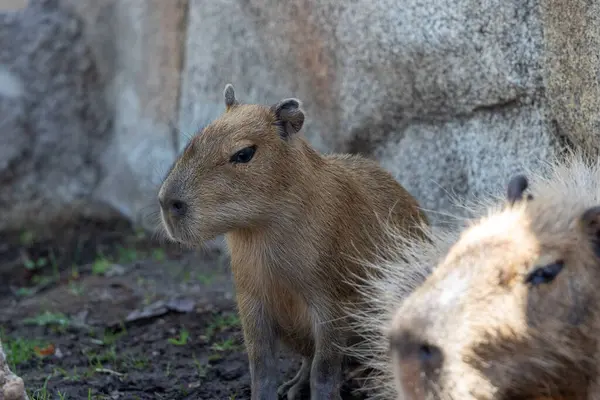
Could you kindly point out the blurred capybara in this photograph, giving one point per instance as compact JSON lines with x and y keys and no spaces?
{"x":511,"y":311}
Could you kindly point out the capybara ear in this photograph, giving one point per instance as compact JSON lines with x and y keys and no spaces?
{"x":590,"y":225}
{"x":290,"y":116}
{"x":516,"y":187}
{"x":229,"y":94}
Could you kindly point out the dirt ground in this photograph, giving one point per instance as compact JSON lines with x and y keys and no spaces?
{"x":104,"y":312}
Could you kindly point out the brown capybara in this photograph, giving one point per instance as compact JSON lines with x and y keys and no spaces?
{"x":295,"y":222}
{"x":510,"y":310}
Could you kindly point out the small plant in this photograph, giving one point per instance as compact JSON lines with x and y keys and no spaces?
{"x":76,"y":288}
{"x":27,"y":238}
{"x":47,"y":318}
{"x":101,"y":266}
{"x":159,"y":255}
{"x":221,"y":323}
{"x":74,"y":271}
{"x":20,"y":351}
{"x":182,"y":339}
{"x":140,"y":234}
{"x":110,"y":337}
{"x":42,"y":393}
{"x":200,"y":369}
{"x":205,"y":279}
{"x":35,"y":264}
{"x":127,"y":255}
{"x":139,"y":362}
{"x":66,"y":375}
{"x":24,"y":292}
{"x":228,"y":344}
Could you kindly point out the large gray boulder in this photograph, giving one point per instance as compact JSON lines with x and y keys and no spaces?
{"x":138,"y":49}
{"x":53,"y":123}
{"x":448,"y":95}
{"x":97,"y":97}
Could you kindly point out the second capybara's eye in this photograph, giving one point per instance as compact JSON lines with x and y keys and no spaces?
{"x":244,"y":155}
{"x":545,"y":274}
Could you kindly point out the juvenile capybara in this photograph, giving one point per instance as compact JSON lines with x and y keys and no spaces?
{"x":295,"y":222}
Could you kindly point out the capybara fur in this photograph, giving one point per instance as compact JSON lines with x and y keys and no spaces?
{"x":296,"y":222}
{"x":511,"y":308}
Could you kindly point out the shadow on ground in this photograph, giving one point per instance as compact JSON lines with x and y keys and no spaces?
{"x":104,"y":312}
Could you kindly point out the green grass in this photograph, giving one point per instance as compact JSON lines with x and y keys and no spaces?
{"x":42,"y":393}
{"x":201,"y":370}
{"x":159,"y":255}
{"x":126,"y":255}
{"x":77,"y":289}
{"x":101,"y":266}
{"x":225,"y":345}
{"x":20,"y":351}
{"x":27,"y":238}
{"x":181,"y":339}
{"x":110,"y":337}
{"x":47,"y":318}
{"x":139,"y":362}
{"x":72,"y":376}
{"x":25,"y":292}
{"x":205,"y":279}
{"x":221,"y":323}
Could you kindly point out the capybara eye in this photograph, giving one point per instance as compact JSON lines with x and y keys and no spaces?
{"x":545,"y":274}
{"x":244,"y":155}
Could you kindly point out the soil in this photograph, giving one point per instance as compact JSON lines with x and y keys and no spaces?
{"x":100,"y":311}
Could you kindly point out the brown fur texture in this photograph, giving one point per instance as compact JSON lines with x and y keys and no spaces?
{"x":510,"y":310}
{"x":295,"y":221}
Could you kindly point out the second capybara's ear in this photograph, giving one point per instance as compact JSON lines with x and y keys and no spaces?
{"x":589,"y":223}
{"x":516,"y":188}
{"x":229,"y":94}
{"x":289,"y":115}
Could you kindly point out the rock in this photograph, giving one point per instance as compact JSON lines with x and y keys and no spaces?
{"x":138,"y":50}
{"x":449,"y":96}
{"x":88,"y":103}
{"x":11,"y":386}
{"x":572,"y":68}
{"x":11,"y":5}
{"x":115,"y":270}
{"x":98,"y":97}
{"x":54,"y":126}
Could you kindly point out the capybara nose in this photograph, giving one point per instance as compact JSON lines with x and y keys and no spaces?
{"x":174,"y":207}
{"x":411,"y":349}
{"x":417,"y":364}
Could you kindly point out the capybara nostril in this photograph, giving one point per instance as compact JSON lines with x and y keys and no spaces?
{"x":410,"y":349}
{"x":417,"y":363}
{"x":177,"y":208}
{"x":173,"y":207}
{"x":431,"y":357}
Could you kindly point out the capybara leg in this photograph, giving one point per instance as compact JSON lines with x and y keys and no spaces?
{"x":326,"y":370}
{"x":261,"y":344}
{"x":299,"y":385}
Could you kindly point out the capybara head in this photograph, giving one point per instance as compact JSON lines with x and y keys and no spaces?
{"x":510,"y":312}
{"x":234,"y":173}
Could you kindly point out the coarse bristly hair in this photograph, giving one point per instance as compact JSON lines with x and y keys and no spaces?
{"x":399,"y":269}
{"x":561,"y":190}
